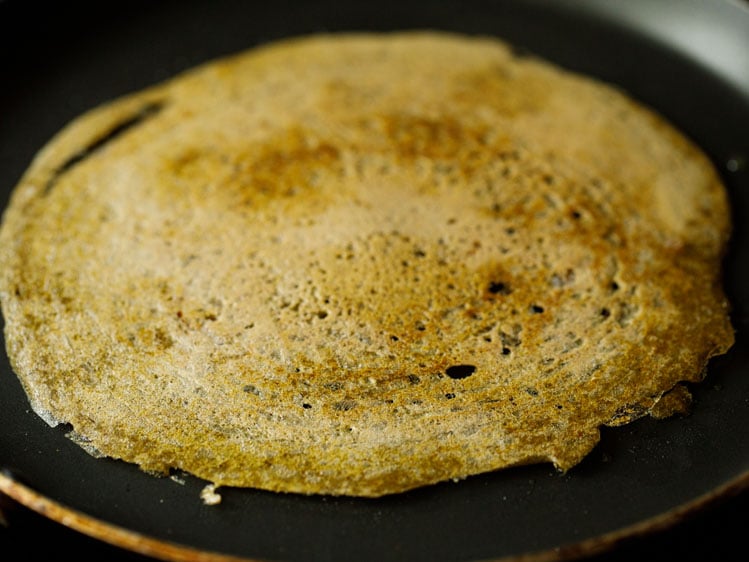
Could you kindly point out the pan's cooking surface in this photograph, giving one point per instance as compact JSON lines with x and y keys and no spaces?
{"x":77,"y":57}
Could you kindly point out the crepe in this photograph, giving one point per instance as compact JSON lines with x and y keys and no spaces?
{"x":357,"y":264}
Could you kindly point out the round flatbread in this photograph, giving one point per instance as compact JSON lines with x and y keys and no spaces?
{"x":362,"y":263}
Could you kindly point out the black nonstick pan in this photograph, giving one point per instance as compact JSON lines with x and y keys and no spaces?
{"x":688,"y":59}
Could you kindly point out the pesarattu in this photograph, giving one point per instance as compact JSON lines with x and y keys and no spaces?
{"x":362,"y":263}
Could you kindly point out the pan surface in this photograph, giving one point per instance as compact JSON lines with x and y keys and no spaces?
{"x":688,"y":59}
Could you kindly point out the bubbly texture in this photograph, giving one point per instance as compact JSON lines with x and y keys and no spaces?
{"x":362,"y":263}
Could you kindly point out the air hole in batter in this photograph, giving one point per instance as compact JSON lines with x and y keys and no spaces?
{"x":460,"y":371}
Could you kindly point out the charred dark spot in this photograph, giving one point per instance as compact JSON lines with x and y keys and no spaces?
{"x":306,"y":406}
{"x":506,"y":351}
{"x":333,"y":386}
{"x":605,"y":312}
{"x":162,"y":339}
{"x":145,"y":113}
{"x":251,"y":389}
{"x":344,"y":405}
{"x":499,"y":288}
{"x":536,"y":309}
{"x":450,"y":395}
{"x":460,"y":371}
{"x":414,"y":379}
{"x":508,"y":340}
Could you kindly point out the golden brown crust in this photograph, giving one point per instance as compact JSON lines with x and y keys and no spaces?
{"x":358,"y":264}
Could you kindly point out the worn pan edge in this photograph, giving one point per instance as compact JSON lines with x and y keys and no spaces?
{"x":173,"y":552}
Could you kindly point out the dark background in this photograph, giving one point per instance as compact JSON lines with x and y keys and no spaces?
{"x":716,"y":533}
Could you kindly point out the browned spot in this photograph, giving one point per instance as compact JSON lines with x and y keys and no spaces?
{"x":291,"y":168}
{"x":287,"y":167}
{"x":457,"y":150}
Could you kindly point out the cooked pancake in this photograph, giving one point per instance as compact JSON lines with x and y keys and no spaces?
{"x":362,"y":263}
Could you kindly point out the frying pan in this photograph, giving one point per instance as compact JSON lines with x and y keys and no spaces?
{"x":688,"y":59}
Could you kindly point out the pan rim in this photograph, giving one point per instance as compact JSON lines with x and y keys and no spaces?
{"x":146,"y":545}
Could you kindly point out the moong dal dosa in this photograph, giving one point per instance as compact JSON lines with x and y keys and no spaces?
{"x":362,"y":263}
